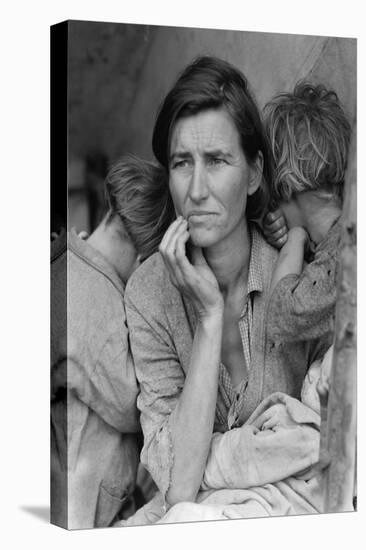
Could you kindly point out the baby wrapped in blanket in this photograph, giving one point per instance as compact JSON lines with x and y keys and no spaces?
{"x":268,"y":466}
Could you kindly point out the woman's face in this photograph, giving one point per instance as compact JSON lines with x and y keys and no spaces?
{"x":209,"y":176}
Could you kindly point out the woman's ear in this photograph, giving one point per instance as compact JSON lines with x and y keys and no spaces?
{"x":256,"y":174}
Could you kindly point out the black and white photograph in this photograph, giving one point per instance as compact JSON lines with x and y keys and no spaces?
{"x":182,"y":274}
{"x":203,"y":274}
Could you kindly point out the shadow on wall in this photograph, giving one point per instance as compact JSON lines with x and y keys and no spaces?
{"x":86,"y":191}
{"x":104,"y":68}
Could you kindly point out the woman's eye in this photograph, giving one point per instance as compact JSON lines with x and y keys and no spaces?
{"x":216,"y":161}
{"x":181,"y":164}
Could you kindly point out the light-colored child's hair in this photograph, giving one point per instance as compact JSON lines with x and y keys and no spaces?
{"x":137,"y":192}
{"x":309,"y":134}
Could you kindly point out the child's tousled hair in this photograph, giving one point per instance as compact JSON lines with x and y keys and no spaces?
{"x":138,"y":193}
{"x":309,"y":135}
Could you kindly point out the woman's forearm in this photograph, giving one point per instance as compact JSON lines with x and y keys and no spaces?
{"x":191,"y":422}
{"x":193,"y":418}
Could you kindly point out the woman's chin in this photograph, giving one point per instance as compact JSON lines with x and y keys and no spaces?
{"x":201,"y":239}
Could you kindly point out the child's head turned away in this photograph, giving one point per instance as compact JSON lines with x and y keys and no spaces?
{"x":309,"y":135}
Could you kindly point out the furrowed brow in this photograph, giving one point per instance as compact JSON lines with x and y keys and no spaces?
{"x":179,"y":155}
{"x":218,"y":153}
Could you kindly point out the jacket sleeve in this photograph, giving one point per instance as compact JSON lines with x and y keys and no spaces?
{"x":110,"y":388}
{"x":161,"y":380}
{"x":302,"y":307}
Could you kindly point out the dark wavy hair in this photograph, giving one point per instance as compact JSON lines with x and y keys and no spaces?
{"x":212,"y":83}
{"x":309,"y":135}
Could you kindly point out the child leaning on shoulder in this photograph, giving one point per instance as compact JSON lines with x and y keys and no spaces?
{"x":309,"y":135}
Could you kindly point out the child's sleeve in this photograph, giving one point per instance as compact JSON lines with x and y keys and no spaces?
{"x":302,"y":307}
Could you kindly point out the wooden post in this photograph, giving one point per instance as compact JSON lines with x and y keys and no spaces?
{"x":338,"y":434}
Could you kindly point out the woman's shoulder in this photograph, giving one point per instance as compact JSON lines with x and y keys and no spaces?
{"x":265,"y":252}
{"x":149,"y":272}
{"x":150,"y":283}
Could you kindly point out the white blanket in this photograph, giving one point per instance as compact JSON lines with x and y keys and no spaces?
{"x":265,"y":468}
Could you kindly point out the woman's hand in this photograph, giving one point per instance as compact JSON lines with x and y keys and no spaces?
{"x":275,"y":228}
{"x":275,"y":417}
{"x":196,"y":280}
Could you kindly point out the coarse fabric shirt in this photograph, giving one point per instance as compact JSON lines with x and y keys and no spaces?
{"x":162,"y":325}
{"x":94,"y":418}
{"x":302,"y":307}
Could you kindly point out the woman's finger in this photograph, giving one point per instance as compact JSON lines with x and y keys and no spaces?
{"x":167,"y":245}
{"x":183,"y":263}
{"x":266,"y":426}
{"x":191,"y":277}
{"x":164,"y":245}
{"x":263,"y":418}
{"x":168,"y":234}
{"x":170,"y":249}
{"x":169,"y":252}
{"x":179,"y":261}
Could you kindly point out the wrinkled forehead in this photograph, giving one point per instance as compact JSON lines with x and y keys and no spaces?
{"x":208,"y":129}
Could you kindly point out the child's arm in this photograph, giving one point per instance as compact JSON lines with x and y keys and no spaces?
{"x":302,"y":305}
{"x":291,"y":257}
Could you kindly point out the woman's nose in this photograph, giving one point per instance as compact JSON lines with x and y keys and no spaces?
{"x":198,"y":189}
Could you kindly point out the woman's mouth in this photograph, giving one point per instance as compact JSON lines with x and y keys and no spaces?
{"x":199,"y":215}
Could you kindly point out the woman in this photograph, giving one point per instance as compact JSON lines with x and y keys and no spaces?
{"x":196,"y":311}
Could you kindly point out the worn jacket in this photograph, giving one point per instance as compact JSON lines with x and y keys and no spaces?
{"x":302,"y":307}
{"x":162,"y":325}
{"x":94,"y":418}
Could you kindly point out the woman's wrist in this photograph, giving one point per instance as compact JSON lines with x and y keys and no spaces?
{"x":213,"y":317}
